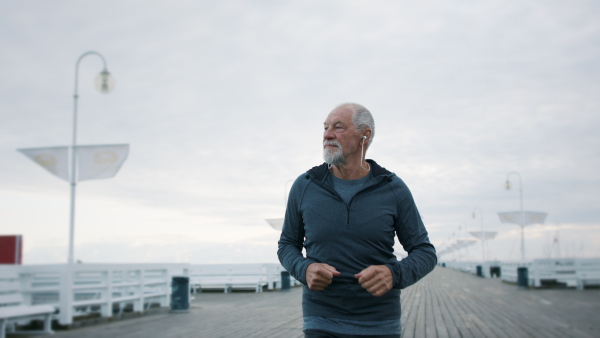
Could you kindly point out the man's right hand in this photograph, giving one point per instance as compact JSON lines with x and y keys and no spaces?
{"x":320,"y":275}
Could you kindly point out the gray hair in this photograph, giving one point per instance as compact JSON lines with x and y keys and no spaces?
{"x":362,"y":118}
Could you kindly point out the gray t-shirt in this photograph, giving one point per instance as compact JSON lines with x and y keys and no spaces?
{"x":348,"y":188}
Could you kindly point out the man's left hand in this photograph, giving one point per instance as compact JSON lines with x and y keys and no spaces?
{"x":376,"y":279}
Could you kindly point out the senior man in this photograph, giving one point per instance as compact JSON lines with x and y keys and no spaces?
{"x":346,"y":213}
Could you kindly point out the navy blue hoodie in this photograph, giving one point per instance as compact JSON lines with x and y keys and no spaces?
{"x":351,"y":237}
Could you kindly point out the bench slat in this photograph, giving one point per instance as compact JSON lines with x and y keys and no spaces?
{"x":9,"y":286}
{"x":21,"y":311}
{"x":11,"y":298}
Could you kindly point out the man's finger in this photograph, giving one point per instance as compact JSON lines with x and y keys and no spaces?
{"x":324,"y":273}
{"x":377,"y":280}
{"x":331,"y":269}
{"x":320,"y":275}
{"x":365,"y":275}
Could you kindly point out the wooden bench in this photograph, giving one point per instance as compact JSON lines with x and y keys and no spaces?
{"x":228,"y":277}
{"x":13,"y":309}
{"x":549,"y":270}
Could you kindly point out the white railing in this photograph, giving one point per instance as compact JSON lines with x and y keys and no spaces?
{"x":274,"y":275}
{"x":82,"y":289}
{"x":588,"y":272}
{"x":487,"y":267}
{"x":572,"y":272}
{"x":13,"y":308}
{"x":464,"y":266}
{"x":107,"y":289}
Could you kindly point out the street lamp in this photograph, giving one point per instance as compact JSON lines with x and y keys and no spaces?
{"x":482,"y":234}
{"x":463,"y":227}
{"x":508,"y":186}
{"x":105,"y":83}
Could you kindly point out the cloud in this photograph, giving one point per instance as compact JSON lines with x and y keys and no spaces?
{"x":222,"y":105}
{"x":167,"y":248}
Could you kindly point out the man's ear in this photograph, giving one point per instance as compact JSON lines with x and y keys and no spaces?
{"x":367,"y":136}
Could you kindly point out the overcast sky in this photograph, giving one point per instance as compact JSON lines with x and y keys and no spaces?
{"x":222,"y":104}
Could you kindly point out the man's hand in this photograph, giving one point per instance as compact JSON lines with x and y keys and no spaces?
{"x":320,"y":275}
{"x":376,"y":279}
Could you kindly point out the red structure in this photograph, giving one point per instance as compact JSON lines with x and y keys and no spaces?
{"x":11,"y":249}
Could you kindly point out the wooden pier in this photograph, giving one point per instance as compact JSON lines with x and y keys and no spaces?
{"x":447,"y":303}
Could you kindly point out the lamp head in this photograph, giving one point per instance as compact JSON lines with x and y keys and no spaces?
{"x":473,"y":214}
{"x":104,"y":82}
{"x":507,"y":185}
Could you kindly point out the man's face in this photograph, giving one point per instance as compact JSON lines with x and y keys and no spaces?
{"x":341,"y":139}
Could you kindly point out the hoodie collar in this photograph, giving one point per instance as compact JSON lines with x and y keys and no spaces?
{"x":320,"y":172}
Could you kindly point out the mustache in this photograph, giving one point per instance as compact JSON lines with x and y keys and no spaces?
{"x":331,"y":143}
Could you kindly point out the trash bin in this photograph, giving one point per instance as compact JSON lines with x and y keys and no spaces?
{"x":180,"y":294}
{"x":522,"y":277}
{"x":479,"y":271}
{"x":285,"y":281}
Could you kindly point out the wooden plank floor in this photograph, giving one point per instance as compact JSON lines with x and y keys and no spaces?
{"x":446,"y":304}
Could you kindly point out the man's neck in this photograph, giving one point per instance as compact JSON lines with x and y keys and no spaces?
{"x":349,"y":172}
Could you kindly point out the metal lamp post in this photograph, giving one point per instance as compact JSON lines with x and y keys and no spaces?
{"x":105,"y":83}
{"x":482,"y":234}
{"x":508,"y":186}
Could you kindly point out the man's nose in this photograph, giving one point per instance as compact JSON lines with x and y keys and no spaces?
{"x":328,"y":134}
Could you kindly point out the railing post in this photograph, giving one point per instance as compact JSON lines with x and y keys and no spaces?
{"x":65,"y":316}
{"x":166,"y":299}
{"x":138,"y":304}
{"x":270,"y":278}
{"x":108,"y":303}
{"x":25,"y":281}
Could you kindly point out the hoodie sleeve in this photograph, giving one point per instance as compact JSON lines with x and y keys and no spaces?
{"x":414,"y":239}
{"x":291,"y":240}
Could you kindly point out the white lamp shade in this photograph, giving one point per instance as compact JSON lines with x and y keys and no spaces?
{"x":104,"y":82}
{"x":275,"y":223}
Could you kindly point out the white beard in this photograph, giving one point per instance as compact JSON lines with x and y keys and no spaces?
{"x":333,"y":156}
